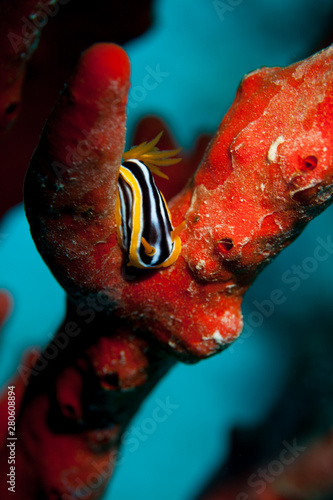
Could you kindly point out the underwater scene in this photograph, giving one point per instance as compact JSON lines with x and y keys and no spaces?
{"x":157,"y":157}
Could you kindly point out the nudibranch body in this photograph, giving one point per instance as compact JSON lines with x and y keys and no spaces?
{"x":144,"y":226}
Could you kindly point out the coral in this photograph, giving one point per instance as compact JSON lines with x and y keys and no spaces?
{"x":265,"y":174}
{"x":235,"y":220}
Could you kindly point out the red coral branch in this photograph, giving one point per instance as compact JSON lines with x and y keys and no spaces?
{"x":266,"y":173}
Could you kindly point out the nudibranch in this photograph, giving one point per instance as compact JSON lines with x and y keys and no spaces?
{"x":144,"y":228}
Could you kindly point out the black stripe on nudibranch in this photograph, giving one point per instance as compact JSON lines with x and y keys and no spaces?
{"x":145,"y":230}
